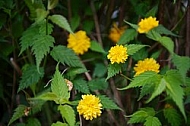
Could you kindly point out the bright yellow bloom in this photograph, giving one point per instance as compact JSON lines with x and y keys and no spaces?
{"x":148,"y":64}
{"x":89,"y":106}
{"x":115,"y":32}
{"x":79,"y":42}
{"x":147,"y":24}
{"x":117,"y":54}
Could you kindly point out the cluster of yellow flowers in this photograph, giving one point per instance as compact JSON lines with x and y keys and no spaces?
{"x":89,"y":106}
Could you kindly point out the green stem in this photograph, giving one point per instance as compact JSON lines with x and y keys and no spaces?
{"x":126,"y":77}
{"x":48,"y":113}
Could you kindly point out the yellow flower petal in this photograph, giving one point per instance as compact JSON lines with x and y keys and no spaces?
{"x":148,"y":64}
{"x":89,"y":106}
{"x":117,"y":54}
{"x":147,"y":24}
{"x":79,"y":42}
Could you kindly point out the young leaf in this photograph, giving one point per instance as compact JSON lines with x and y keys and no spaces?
{"x":19,"y":112}
{"x":61,"y":22}
{"x":68,"y":114}
{"x":107,"y":103}
{"x":174,"y":89}
{"x":66,"y":56}
{"x":113,"y":69}
{"x":98,"y":84}
{"x":30,"y":76}
{"x":58,"y":123}
{"x":173,"y":117}
{"x":133,"y":48}
{"x":81,"y":85}
{"x":167,"y":43}
{"x":41,"y":46}
{"x":182,"y":63}
{"x":33,"y":122}
{"x":59,"y":86}
{"x":142,"y":79}
{"x":127,"y":36}
{"x":159,"y":88}
{"x":95,"y":46}
{"x":52,"y":4}
{"x":47,"y":96}
{"x":152,"y":121}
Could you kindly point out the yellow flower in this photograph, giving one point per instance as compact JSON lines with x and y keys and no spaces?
{"x":89,"y":106}
{"x":79,"y":42}
{"x":115,"y":32}
{"x":148,"y":64}
{"x":147,"y":24}
{"x":117,"y":54}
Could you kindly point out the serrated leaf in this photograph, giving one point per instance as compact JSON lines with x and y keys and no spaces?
{"x":98,"y":84}
{"x":26,"y":39}
{"x":174,"y":89}
{"x":61,"y":22}
{"x":68,"y":114}
{"x":146,"y":89}
{"x":33,"y":122}
{"x":113,"y":69}
{"x":167,"y":43}
{"x":182,"y":63}
{"x":75,"y":21}
{"x":107,"y":103}
{"x":133,"y":48}
{"x":59,"y":86}
{"x":152,"y":34}
{"x":162,"y":30}
{"x":73,"y":71}
{"x":173,"y":117}
{"x":127,"y":36}
{"x":142,"y":79}
{"x":95,"y":46}
{"x":158,"y":89}
{"x":58,"y":123}
{"x":30,"y":76}
{"x":41,"y":14}
{"x":19,"y":112}
{"x":41,"y":46}
{"x":66,"y":56}
{"x":132,"y":25}
{"x":47,"y":96}
{"x":152,"y":121}
{"x":81,"y":85}
{"x":45,"y":28}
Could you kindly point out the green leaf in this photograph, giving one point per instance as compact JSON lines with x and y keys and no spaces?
{"x":30,"y":76}
{"x":58,"y":123}
{"x":152,"y":34}
{"x":41,"y":46}
{"x":167,"y":43}
{"x":73,"y":71}
{"x":66,"y":56}
{"x":52,"y":4}
{"x":141,"y":115}
{"x":173,"y":117}
{"x":41,"y":14}
{"x":98,"y":84}
{"x":45,"y":28}
{"x":132,"y":25}
{"x":127,"y":36}
{"x":142,"y":79}
{"x":152,"y":121}
{"x":19,"y":112}
{"x":75,"y":21}
{"x":26,"y":39}
{"x":99,"y":70}
{"x":33,"y":122}
{"x":158,"y":89}
{"x":182,"y":63}
{"x":68,"y":114}
{"x":59,"y":86}
{"x":81,"y":85}
{"x":95,"y":46}
{"x":162,"y":30}
{"x":113,"y":69}
{"x":152,"y":12}
{"x":133,"y":48}
{"x":146,"y":89}
{"x":107,"y":103}
{"x":174,"y":89}
{"x":47,"y":96}
{"x":61,"y":22}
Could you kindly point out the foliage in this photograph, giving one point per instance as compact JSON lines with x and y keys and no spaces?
{"x":42,"y":80}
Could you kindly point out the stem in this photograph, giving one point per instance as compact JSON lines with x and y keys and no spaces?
{"x":126,"y":77}
{"x":48,"y":113}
